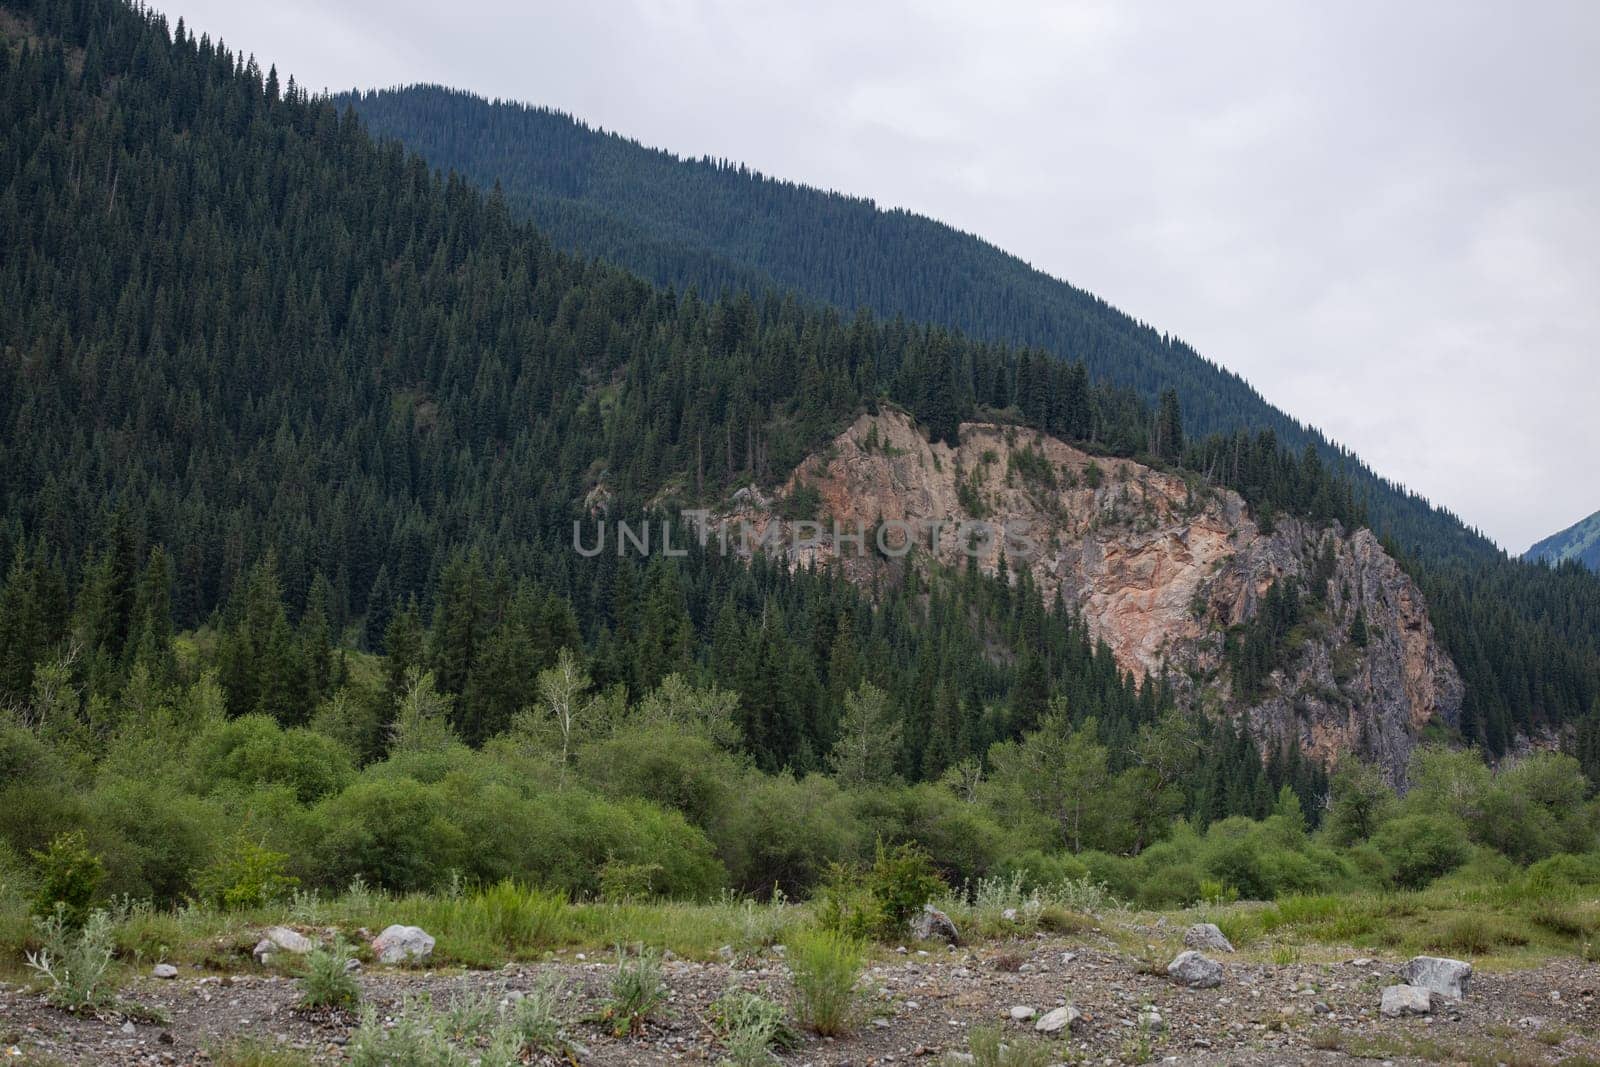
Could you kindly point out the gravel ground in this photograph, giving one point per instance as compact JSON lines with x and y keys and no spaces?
{"x":1262,"y":1013}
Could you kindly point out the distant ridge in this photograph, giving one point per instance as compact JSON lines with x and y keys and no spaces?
{"x":1579,"y":542}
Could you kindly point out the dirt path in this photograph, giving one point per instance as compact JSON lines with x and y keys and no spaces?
{"x":1262,"y":1014}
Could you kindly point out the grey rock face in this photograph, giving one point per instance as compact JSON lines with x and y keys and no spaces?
{"x":1207,"y":937}
{"x":402,"y":944}
{"x":1195,"y":971}
{"x":1446,"y":977}
{"x":1401,"y":1000}
{"x":931,"y":924}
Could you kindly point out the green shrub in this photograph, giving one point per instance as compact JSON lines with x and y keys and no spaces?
{"x":328,"y":981}
{"x":245,"y":875}
{"x":254,"y":750}
{"x":990,"y":1046}
{"x":413,"y":1040}
{"x":69,"y":877}
{"x":901,"y":880}
{"x":75,"y":962}
{"x":637,"y":991}
{"x":826,"y":969}
{"x":394,"y":833}
{"x":535,"y":1030}
{"x":750,"y":1027}
{"x":1420,"y":848}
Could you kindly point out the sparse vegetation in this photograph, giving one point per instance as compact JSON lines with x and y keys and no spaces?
{"x":328,"y":980}
{"x":826,"y":968}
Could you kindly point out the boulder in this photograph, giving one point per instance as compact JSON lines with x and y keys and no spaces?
{"x":1053,"y":1022}
{"x":1401,"y":1000}
{"x":164,"y":970}
{"x":1446,"y":977}
{"x":931,"y":924}
{"x":402,"y":944}
{"x":1195,"y":970}
{"x":1207,"y":937}
{"x":276,"y":939}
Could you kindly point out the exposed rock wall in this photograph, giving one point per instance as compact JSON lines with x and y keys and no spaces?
{"x":1159,"y":566}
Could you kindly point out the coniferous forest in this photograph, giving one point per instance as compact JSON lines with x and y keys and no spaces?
{"x":295,"y":429}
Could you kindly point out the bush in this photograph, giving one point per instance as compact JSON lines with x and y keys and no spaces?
{"x":1420,"y":848}
{"x":535,"y":1030}
{"x":76,"y":962}
{"x":636,"y":992}
{"x":391,"y":832}
{"x":254,"y":750}
{"x":246,"y":875}
{"x":328,"y":981}
{"x":902,"y":880}
{"x":69,"y":877}
{"x":750,"y":1026}
{"x":826,"y":967}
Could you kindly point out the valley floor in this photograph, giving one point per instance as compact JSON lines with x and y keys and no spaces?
{"x":928,"y":1000}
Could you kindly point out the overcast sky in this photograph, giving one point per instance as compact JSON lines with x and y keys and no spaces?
{"x":1384,"y":216}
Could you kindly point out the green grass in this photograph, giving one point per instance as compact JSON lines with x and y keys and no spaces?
{"x":826,"y":968}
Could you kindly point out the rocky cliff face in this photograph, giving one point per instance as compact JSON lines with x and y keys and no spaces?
{"x":1161,"y":568}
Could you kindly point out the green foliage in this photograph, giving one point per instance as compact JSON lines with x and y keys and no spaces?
{"x":637,"y":991}
{"x":327,"y":981}
{"x":751,"y":1027}
{"x":1420,"y":848}
{"x":826,"y":970}
{"x":414,"y":1039}
{"x":535,"y":1027}
{"x":901,"y":880}
{"x":246,"y":875}
{"x":69,"y":877}
{"x":990,"y":1046}
{"x":75,"y":961}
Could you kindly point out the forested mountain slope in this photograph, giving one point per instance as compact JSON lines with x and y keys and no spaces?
{"x":264,"y":376}
{"x":1579,"y":542}
{"x":715,"y":224}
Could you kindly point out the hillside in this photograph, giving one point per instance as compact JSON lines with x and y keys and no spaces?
{"x":1579,"y":542}
{"x":714,"y":224}
{"x":1177,"y":581}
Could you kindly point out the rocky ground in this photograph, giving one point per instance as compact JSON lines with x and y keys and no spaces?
{"x":1262,"y":1013}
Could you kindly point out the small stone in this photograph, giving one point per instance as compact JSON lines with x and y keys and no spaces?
{"x":1058,"y":1020}
{"x":1195,"y":971}
{"x":1152,"y":1022}
{"x":1022,"y":1013}
{"x":1447,"y":977}
{"x":128,"y":1027}
{"x":1401,"y":1000}
{"x":164,"y":970}
{"x":1207,"y":936}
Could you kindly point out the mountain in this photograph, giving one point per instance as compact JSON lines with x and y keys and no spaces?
{"x":1579,"y":542}
{"x":1526,"y":639}
{"x":712,"y":224}
{"x":1176,"y":583}
{"x":266,"y":378}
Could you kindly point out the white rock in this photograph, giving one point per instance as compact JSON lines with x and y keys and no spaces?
{"x":931,"y":924}
{"x":1195,"y":971}
{"x":1446,"y":977}
{"x":1058,"y":1020}
{"x":1401,"y":1000}
{"x":164,"y":970}
{"x":1207,"y":936}
{"x":402,"y":944}
{"x":277,"y":939}
{"x":1022,"y":1013}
